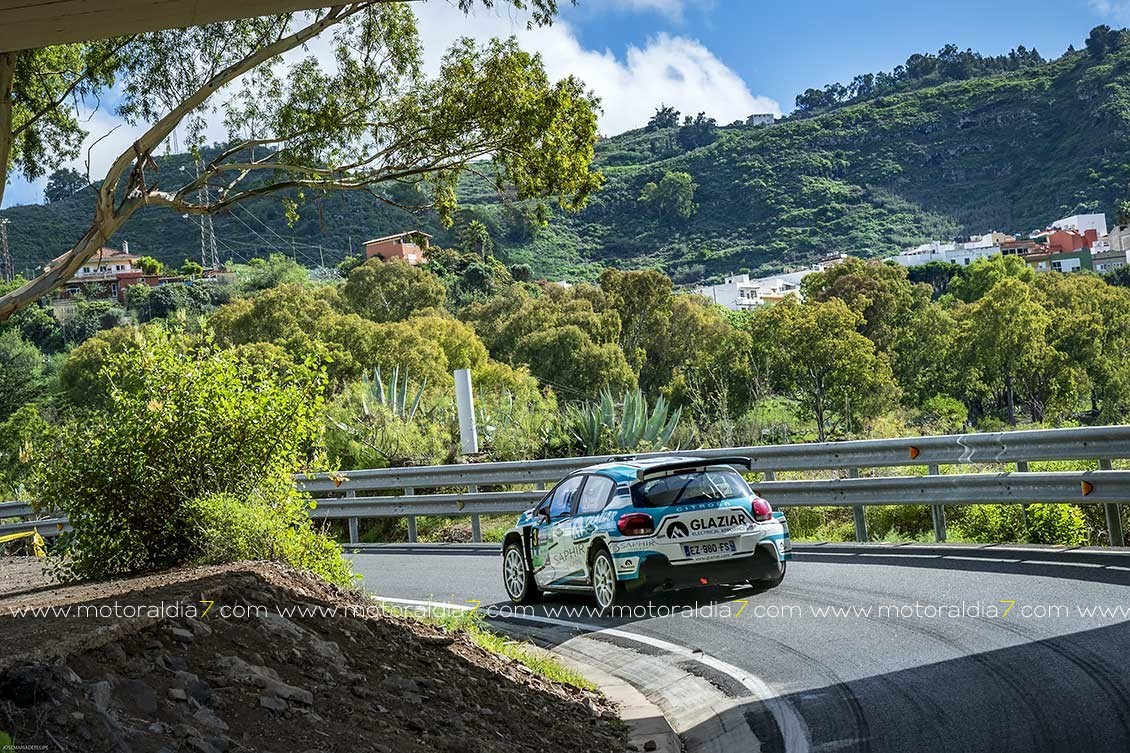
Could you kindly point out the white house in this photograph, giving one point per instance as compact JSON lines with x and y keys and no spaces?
{"x":1081,"y":223}
{"x":742,"y":292}
{"x":977,"y":247}
{"x":760,"y":118}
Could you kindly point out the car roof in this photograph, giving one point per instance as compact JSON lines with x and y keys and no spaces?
{"x":628,"y":469}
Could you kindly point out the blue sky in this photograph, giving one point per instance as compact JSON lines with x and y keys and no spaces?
{"x":726,"y":57}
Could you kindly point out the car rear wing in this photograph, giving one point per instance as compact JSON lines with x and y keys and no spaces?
{"x":689,"y":464}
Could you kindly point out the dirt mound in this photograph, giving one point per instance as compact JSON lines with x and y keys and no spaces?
{"x":258,"y":657}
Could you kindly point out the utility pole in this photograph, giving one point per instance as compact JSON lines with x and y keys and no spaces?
{"x":209,"y":257}
{"x":7,"y":268}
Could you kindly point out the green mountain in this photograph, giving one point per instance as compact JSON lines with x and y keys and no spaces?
{"x":1007,"y":152}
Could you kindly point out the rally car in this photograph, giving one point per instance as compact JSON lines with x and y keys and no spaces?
{"x":637,"y":525}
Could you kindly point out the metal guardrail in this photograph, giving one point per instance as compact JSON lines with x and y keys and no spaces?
{"x":453,"y":490}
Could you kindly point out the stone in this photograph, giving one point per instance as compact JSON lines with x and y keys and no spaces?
{"x":182,"y":635}
{"x":199,"y":629}
{"x":174,"y":663}
{"x":208,"y":718}
{"x":272,"y":703}
{"x":28,"y":685}
{"x":650,"y":745}
{"x":100,"y":694}
{"x":178,"y":694}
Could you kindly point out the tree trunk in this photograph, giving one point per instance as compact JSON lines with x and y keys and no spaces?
{"x":1009,"y":395}
{"x":7,"y":80}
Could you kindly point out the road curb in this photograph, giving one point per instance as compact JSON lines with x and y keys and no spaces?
{"x":649,"y":729}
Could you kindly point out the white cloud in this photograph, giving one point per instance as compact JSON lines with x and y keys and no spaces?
{"x":672,"y":70}
{"x":1119,"y":10}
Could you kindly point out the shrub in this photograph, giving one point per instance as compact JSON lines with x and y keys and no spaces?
{"x":182,"y":421}
{"x":1036,"y":524}
{"x":266,"y":526}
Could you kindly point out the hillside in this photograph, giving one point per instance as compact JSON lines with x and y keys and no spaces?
{"x":1006,"y":152}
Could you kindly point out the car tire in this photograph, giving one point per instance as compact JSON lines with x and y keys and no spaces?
{"x":516,"y":577}
{"x":607,"y":589}
{"x":768,"y":583}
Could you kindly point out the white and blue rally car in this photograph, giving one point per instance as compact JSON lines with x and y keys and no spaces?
{"x":637,"y":525}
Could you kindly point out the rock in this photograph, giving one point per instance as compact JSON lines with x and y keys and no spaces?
{"x":437,"y":640}
{"x":158,"y":728}
{"x":272,"y":703}
{"x":415,"y":724}
{"x":208,"y":718}
{"x":100,"y":694}
{"x":185,"y":731}
{"x":650,"y":745}
{"x":178,"y":694}
{"x":201,"y":745}
{"x":400,"y":684}
{"x":137,"y":698}
{"x":173,"y":663}
{"x":78,"y":716}
{"x":199,"y":629}
{"x":182,"y":635}
{"x":28,"y":685}
{"x":201,"y":692}
{"x":290,"y":693}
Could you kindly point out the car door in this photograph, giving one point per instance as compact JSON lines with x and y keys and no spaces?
{"x":551,"y":533}
{"x":591,"y":501}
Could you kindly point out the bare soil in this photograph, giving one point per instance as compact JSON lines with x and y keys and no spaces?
{"x":138,"y":672}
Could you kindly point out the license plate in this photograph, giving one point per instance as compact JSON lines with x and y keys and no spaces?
{"x":709,"y":550}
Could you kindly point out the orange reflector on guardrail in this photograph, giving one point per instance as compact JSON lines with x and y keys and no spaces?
{"x":1088,"y":487}
{"x":913,"y":453}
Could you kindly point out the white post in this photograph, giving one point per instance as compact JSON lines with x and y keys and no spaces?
{"x":465,"y":404}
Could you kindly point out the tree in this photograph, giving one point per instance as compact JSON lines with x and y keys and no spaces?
{"x":983,"y":274}
{"x":1102,"y":40}
{"x":191,"y":268}
{"x":643,"y":300}
{"x":816,"y":357}
{"x":879,"y":292}
{"x":391,"y":291}
{"x":150,"y":266}
{"x":63,"y":183}
{"x":673,"y":196}
{"x":697,"y":131}
{"x":367,"y":119}
{"x":664,"y":117}
{"x":21,"y":373}
{"x":1002,"y":335}
{"x":475,"y":239}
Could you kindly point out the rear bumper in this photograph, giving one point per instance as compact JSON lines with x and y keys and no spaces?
{"x":656,"y":570}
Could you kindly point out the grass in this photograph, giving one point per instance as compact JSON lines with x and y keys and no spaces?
{"x":525,"y":653}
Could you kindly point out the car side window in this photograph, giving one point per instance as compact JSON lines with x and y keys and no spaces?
{"x":595,"y":494}
{"x":561,"y":504}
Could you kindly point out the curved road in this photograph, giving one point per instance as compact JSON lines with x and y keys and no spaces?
{"x":881,"y":651}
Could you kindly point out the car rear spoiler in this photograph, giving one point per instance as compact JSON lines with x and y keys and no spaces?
{"x":689,"y":464}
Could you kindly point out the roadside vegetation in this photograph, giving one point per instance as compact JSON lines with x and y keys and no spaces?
{"x":170,"y":439}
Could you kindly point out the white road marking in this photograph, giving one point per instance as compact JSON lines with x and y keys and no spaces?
{"x":793,"y":730}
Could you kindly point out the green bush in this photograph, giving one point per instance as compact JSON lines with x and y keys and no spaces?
{"x":267,"y":526}
{"x":182,"y":421}
{"x":1036,"y":524}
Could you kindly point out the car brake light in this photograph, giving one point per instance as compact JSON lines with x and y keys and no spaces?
{"x":636,"y":524}
{"x":762,"y":511}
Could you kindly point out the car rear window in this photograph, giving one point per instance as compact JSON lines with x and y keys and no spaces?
{"x":690,"y":487}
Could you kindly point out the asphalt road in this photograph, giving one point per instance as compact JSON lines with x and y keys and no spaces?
{"x":927,"y":661}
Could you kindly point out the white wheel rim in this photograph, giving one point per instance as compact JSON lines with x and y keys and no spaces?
{"x":604,"y":581}
{"x":514,"y":572}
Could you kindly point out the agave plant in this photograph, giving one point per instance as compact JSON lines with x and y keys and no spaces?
{"x":393,"y":396}
{"x":625,"y":425}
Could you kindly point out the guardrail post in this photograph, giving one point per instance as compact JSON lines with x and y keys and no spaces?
{"x":476,"y":524}
{"x":354,"y":523}
{"x":770,"y":475}
{"x":1113,"y":514}
{"x":858,"y":514}
{"x":411,"y":519}
{"x":937,"y":512}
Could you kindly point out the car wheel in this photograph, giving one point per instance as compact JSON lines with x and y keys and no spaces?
{"x":768,"y":583}
{"x":606,"y":588}
{"x":519,"y":581}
